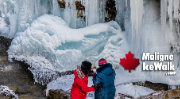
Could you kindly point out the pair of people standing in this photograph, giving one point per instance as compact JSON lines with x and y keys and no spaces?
{"x":103,"y":81}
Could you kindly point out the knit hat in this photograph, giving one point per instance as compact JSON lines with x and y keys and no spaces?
{"x":86,"y":65}
{"x":102,"y":61}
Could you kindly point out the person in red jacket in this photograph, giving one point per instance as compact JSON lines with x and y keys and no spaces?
{"x":80,"y":86}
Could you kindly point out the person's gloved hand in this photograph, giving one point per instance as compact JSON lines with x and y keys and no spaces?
{"x":97,"y":87}
{"x":100,"y":85}
{"x":94,"y":75}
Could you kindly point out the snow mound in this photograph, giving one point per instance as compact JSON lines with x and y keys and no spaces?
{"x":50,"y":46}
{"x":64,"y":83}
{"x":133,"y":90}
{"x":4,"y":90}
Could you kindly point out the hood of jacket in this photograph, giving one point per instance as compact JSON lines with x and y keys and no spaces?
{"x":105,"y":69}
{"x":78,"y":73}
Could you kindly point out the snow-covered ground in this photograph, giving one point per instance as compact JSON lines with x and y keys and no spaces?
{"x":133,"y":90}
{"x":65,"y":83}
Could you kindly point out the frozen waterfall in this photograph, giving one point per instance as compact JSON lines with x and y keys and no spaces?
{"x":50,"y":46}
{"x":45,"y":33}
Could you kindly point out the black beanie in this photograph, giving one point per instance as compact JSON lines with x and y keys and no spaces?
{"x":86,"y":65}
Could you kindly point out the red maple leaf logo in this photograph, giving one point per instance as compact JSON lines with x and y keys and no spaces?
{"x":129,"y":63}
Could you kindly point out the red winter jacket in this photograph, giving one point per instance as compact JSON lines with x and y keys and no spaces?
{"x":80,"y":87}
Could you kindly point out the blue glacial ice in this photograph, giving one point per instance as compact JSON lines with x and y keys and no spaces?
{"x":50,"y":46}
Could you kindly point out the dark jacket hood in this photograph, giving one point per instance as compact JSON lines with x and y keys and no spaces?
{"x":105,"y":69}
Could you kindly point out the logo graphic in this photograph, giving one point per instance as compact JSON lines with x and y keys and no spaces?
{"x":159,"y":62}
{"x":129,"y":63}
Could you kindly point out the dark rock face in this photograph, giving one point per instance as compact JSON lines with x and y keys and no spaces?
{"x":62,"y":3}
{"x":57,"y":94}
{"x":153,"y":86}
{"x":80,"y":9}
{"x":110,"y":10}
{"x":14,"y":89}
{"x":4,"y":45}
{"x":156,"y":86}
{"x":161,"y":91}
{"x":79,"y":5}
{"x":5,"y":97}
{"x":170,"y":94}
{"x":17,"y":76}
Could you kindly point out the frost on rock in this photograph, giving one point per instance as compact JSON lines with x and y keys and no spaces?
{"x":50,"y":46}
{"x":4,"y":90}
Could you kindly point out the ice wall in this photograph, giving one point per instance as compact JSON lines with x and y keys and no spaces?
{"x":17,"y":15}
{"x":169,"y":20}
{"x":121,"y":12}
{"x":93,"y":13}
{"x":154,"y":30}
{"x":7,"y":10}
{"x":170,"y":14}
{"x":170,"y":17}
{"x":137,"y":12}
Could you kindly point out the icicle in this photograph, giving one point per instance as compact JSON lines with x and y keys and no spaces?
{"x":163,"y":14}
{"x":92,"y":13}
{"x":55,"y":9}
{"x":170,"y":7}
{"x":137,"y":11}
{"x":102,"y":11}
{"x":126,"y":2}
{"x":177,"y":15}
{"x":120,"y":7}
{"x":176,"y":8}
